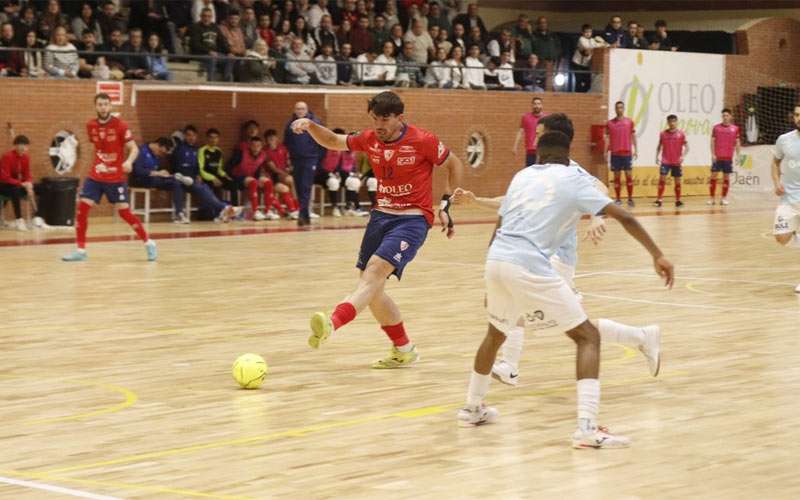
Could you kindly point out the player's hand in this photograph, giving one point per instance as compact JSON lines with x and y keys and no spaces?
{"x":127,"y":166}
{"x":658,"y":162}
{"x":447,"y":224}
{"x":680,"y":162}
{"x":462,"y":197}
{"x":301,"y":125}
{"x":596,"y":231}
{"x":665,"y":270}
{"x":216,"y":182}
{"x":779,"y":190}
{"x":713,"y":159}
{"x":635,"y":155}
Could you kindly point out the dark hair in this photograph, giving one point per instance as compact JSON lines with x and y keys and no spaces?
{"x":206,"y":9}
{"x":189,"y":128}
{"x":234,"y":12}
{"x":661,"y":23}
{"x":250,"y":122}
{"x":270,"y":132}
{"x":536,"y":98}
{"x":672,"y":117}
{"x":212,"y":131}
{"x":102,"y":95}
{"x":21,"y":139}
{"x":385,"y":104}
{"x":586,"y":27}
{"x":553,"y":142}
{"x":165,"y":142}
{"x":727,"y":110}
{"x":558,"y":122}
{"x":338,"y":130}
{"x":618,"y":102}
{"x":256,"y":138}
{"x":87,"y":31}
{"x":632,"y":22}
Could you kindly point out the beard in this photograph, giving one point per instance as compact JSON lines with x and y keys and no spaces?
{"x":102,"y":117}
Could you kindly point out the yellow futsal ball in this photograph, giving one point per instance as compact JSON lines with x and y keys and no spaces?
{"x":249,"y":370}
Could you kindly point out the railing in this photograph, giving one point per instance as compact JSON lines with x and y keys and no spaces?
{"x":282,"y":70}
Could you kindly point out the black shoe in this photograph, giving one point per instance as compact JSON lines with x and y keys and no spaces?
{"x":658,"y":203}
{"x":630,"y":203}
{"x":678,"y":204}
{"x":303,"y":221}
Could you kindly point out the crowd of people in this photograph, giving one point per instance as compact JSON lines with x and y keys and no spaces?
{"x":410,"y":43}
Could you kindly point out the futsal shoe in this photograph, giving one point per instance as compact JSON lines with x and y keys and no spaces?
{"x":336,"y":212}
{"x":259,"y":216}
{"x":20,"y":225}
{"x":152,"y":251}
{"x":631,"y":204}
{"x":75,"y":256}
{"x":598,"y":438}
{"x":312,"y":215}
{"x":651,"y":348}
{"x":797,"y":289}
{"x":724,"y":202}
{"x":678,"y":204}
{"x":618,"y":202}
{"x":321,"y":328}
{"x":478,"y":415}
{"x":503,"y":372}
{"x":711,"y":202}
{"x":396,"y":359}
{"x":181,"y":218}
{"x":186,"y":181}
{"x":658,"y":203}
{"x":294,"y":215}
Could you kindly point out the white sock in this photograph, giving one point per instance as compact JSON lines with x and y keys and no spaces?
{"x":405,"y":348}
{"x":82,"y":250}
{"x":149,"y":242}
{"x":588,"y":403}
{"x":478,"y":388}
{"x":611,"y":331}
{"x":512,"y":347}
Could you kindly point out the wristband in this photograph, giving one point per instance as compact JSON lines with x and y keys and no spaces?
{"x":445,"y":207}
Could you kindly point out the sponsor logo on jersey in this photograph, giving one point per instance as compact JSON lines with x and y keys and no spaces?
{"x":536,"y":321}
{"x":405,"y":160}
{"x":407,"y":149}
{"x":388,"y":154}
{"x":440,"y":150}
{"x":397,"y":190}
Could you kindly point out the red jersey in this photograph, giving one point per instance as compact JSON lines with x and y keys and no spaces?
{"x":331,"y":160}
{"x":15,"y":168}
{"x":250,"y":164}
{"x":672,"y":147}
{"x":619,"y":136}
{"x":279,"y":156}
{"x":109,"y":141}
{"x":528,"y":124}
{"x":404,"y":168}
{"x":725,"y":141}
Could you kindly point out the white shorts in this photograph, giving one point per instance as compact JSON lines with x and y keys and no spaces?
{"x":564,"y":270}
{"x":787,"y":219}
{"x":515,"y":297}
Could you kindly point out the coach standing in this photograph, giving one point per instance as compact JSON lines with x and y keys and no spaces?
{"x":305,"y":154}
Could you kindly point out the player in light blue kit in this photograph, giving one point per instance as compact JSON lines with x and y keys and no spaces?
{"x":786,"y":176}
{"x":539,"y":213}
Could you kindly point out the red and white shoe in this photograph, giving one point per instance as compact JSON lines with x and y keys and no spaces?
{"x":598,"y":438}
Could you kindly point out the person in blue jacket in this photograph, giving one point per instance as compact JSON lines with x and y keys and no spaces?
{"x":147,"y":173}
{"x":306,"y":155}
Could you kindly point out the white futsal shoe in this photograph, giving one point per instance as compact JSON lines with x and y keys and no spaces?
{"x":478,"y":415}
{"x":797,"y":289}
{"x":503,"y":372}
{"x":598,"y":438}
{"x":651,"y":348}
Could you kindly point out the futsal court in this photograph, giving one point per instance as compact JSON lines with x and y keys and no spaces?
{"x":116,"y":379}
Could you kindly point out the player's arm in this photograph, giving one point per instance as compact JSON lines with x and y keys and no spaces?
{"x":713,"y":156}
{"x":323,"y":135}
{"x":496,"y":227}
{"x":663,"y":266}
{"x":658,"y":150}
{"x":597,"y":225}
{"x":131,"y":152}
{"x":685,"y":150}
{"x":464,"y":197}
{"x":455,"y":171}
{"x":738,"y":147}
{"x":776,"y":176}
{"x":201,"y":162}
{"x":635,"y":144}
{"x":517,"y":140}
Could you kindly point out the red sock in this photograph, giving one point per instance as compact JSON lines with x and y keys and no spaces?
{"x":252,"y":192}
{"x":662,"y":184}
{"x":289,"y":201}
{"x":278,"y":207}
{"x":713,"y":187}
{"x":134,"y":222}
{"x":82,"y":223}
{"x":343,"y":314}
{"x":677,"y":189}
{"x":617,"y":186}
{"x":397,"y":334}
{"x":629,"y":186}
{"x":726,"y":185}
{"x":269,"y":190}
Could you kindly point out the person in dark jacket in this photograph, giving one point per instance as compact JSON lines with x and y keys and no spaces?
{"x":631,"y":40}
{"x":305,"y":155}
{"x":614,"y":32}
{"x":546,"y":44}
{"x":471,"y":19}
{"x":147,"y":173}
{"x":207,"y":39}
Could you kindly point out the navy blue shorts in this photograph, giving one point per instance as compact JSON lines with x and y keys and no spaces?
{"x":619,"y":163}
{"x":394,"y":238}
{"x":116,"y":192}
{"x":724,"y":166}
{"x":675,"y":170}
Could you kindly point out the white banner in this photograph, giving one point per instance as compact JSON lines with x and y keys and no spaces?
{"x":753,"y":172}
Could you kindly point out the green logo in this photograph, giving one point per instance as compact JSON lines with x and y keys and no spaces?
{"x":637,"y":103}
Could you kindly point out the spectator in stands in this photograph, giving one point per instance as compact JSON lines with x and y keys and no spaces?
{"x":326,"y":66}
{"x":502,"y":44}
{"x":290,"y":11}
{"x":409,"y":72}
{"x":459,"y":37}
{"x":264,"y":7}
{"x":301,"y":32}
{"x":660,"y":40}
{"x":344,"y":66}
{"x":640,"y":34}
{"x":397,"y":38}
{"x":471,"y":20}
{"x":54,"y":18}
{"x":137,"y":66}
{"x":380,"y":33}
{"x":305,"y":155}
{"x":361,"y":38}
{"x":298,"y":65}
{"x":23,"y":24}
{"x":437,"y":17}
{"x":363,"y":10}
{"x":179,"y":13}
{"x":546,"y":44}
{"x":475,"y":38}
{"x":249,"y":26}
{"x":10,"y":60}
{"x":491,"y":76}
{"x":631,"y":39}
{"x":265,"y":30}
{"x":345,"y":33}
{"x":151,"y":17}
{"x":433,"y":32}
{"x":414,"y":14}
{"x":61,"y":57}
{"x":211,"y":162}
{"x":443,"y":41}
{"x":532,"y":77}
{"x":147,"y":173}
{"x":474,"y":69}
{"x":199,"y":6}
{"x":580,"y":65}
{"x":421,"y":42}
{"x":456,"y":64}
{"x":87,"y":21}
{"x":325,"y":35}
{"x":208,"y":40}
{"x":156,"y":60}
{"x":439,"y":74}
{"x":90,"y":64}
{"x":277,"y":54}
{"x":33,"y":58}
{"x":390,"y":14}
{"x":388,"y":64}
{"x":15,"y":177}
{"x":367,"y":73}
{"x":350,"y":12}
{"x":234,"y":36}
{"x":276,"y":19}
{"x":278,"y":169}
{"x":109,"y":20}
{"x":116,"y":63}
{"x":505,"y":72}
{"x":316,"y":12}
{"x":258,"y":66}
{"x":522,"y":34}
{"x":614,"y":33}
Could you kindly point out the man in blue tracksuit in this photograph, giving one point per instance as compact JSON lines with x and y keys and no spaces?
{"x":305,"y":154}
{"x":148,"y":174}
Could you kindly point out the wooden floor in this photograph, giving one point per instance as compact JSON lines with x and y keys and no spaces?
{"x":115,"y":375}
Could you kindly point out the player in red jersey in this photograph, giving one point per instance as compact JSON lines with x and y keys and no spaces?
{"x":622,"y":148}
{"x":675,"y":148}
{"x":403,"y":158}
{"x":114,"y":154}
{"x":724,"y":141}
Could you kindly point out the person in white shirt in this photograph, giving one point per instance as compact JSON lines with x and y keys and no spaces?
{"x":786,"y":180}
{"x":326,"y":66}
{"x":300,"y":69}
{"x":474,"y":68}
{"x":61,"y":57}
{"x":366,"y":72}
{"x":581,"y":64}
{"x":505,"y":72}
{"x":439,"y":73}
{"x":423,"y":44}
{"x":456,"y":64}
{"x":197,"y":10}
{"x":498,"y":45}
{"x":387,"y":63}
{"x":316,"y":12}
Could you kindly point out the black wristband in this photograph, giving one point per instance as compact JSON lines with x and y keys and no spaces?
{"x":445,"y":207}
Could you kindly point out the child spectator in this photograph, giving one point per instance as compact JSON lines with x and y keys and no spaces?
{"x":278,"y":169}
{"x":212,"y":167}
{"x":15,"y":178}
{"x":249,"y":175}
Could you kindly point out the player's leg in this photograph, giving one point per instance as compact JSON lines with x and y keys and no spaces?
{"x":617,"y":182}
{"x":677,"y":174}
{"x":726,"y":181}
{"x":646,"y":339}
{"x":629,"y":180}
{"x":286,"y":195}
{"x":118,"y":195}
{"x":372,"y":188}
{"x":268,"y":188}
{"x":333,"y":183}
{"x":786,"y":227}
{"x":16,"y":193}
{"x":506,"y":370}
{"x":387,"y":313}
{"x":662,"y":184}
{"x":178,"y":195}
{"x":712,"y":183}
{"x":251,"y":187}
{"x":90,"y":195}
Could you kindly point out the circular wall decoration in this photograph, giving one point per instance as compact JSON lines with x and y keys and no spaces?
{"x":63,"y":151}
{"x":476,"y":149}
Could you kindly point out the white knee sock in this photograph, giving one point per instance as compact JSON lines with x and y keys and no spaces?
{"x":611,"y":331}
{"x":512,"y":347}
{"x":588,"y":403}
{"x":478,"y":388}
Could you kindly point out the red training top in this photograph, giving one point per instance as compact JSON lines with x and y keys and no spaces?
{"x":672,"y":147}
{"x":619,"y":136}
{"x":15,"y":168}
{"x":109,"y":141}
{"x":724,"y":140}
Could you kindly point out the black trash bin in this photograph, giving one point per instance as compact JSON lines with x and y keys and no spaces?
{"x":57,"y":197}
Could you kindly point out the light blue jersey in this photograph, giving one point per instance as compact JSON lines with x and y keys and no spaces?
{"x":568,"y":252}
{"x":787,"y":149}
{"x":540,"y":212}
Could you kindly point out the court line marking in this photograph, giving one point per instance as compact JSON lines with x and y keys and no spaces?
{"x":692,"y":306}
{"x":55,"y":489}
{"x":691,"y":288}
{"x":424,"y":411}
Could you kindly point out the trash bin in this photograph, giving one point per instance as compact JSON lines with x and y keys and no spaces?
{"x":57,"y":197}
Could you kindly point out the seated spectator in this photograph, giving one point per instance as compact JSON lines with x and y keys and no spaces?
{"x":439,"y":74}
{"x":54,"y":18}
{"x":397,"y":38}
{"x":437,"y":17}
{"x":390,"y":13}
{"x":208,"y":40}
{"x":277,"y":54}
{"x":433,"y":32}
{"x":324,"y":34}
{"x":413,"y":13}
{"x":234,"y":36}
{"x":459,"y":36}
{"x":345,"y":33}
{"x":249,"y":26}
{"x":109,"y":20}
{"x":15,"y":177}
{"x":640,"y":34}
{"x":153,"y":17}
{"x":24,"y":24}
{"x":631,"y":39}
{"x":10,"y":60}
{"x":380,"y":33}
{"x":367,"y":73}
{"x":302,"y":32}
{"x":350,"y":12}
{"x":491,"y":77}
{"x":212,"y":167}
{"x":456,"y":64}
{"x":329,"y":177}
{"x":501,"y":44}
{"x":443,"y":41}
{"x":532,"y":77}
{"x":581,"y":63}
{"x":505,"y":72}
{"x":387,"y":64}
{"x":326,"y":66}
{"x":290,"y":12}
{"x":33,"y":58}
{"x":614,"y":33}
{"x":344,"y":66}
{"x":421,"y":41}
{"x":87,"y":21}
{"x":361,"y":37}
{"x":471,"y":20}
{"x":409,"y":71}
{"x":660,"y":40}
{"x":90,"y":64}
{"x":522,"y":34}
{"x":61,"y":57}
{"x":137,"y":66}
{"x":199,"y":6}
{"x":474,"y":69}
{"x":299,"y":67}
{"x":315,"y":14}
{"x":116,"y":63}
{"x":147,"y":173}
{"x":265,"y":30}
{"x":279,"y":169}
{"x":156,"y":59}
{"x":546,"y":44}
{"x":476,"y":39}
{"x":257,"y":65}
{"x":249,"y":175}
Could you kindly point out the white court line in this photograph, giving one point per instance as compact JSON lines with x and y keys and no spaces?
{"x":693,"y":306}
{"x":55,"y":489}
